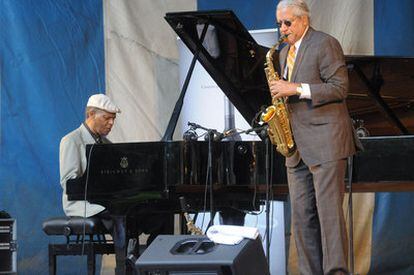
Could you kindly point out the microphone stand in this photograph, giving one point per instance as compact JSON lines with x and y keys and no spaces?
{"x":210,"y":137}
{"x":210,"y":134}
{"x":263,"y":133}
{"x":351,"y":218}
{"x":267,"y":210}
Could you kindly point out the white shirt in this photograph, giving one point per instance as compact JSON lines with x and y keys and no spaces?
{"x":306,"y":92}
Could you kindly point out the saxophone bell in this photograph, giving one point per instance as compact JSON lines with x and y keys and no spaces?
{"x":268,"y":114}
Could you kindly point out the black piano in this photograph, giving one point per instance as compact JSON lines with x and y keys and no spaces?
{"x":121,"y":174}
{"x":243,"y":173}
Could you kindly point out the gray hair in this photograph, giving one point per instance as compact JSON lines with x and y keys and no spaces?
{"x":90,"y":110}
{"x":300,"y":8}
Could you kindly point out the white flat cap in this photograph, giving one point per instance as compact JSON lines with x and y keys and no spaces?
{"x":103,"y":102}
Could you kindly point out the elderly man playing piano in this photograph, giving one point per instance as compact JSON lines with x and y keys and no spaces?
{"x":100,"y":117}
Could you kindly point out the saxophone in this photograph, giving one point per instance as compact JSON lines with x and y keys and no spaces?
{"x":276,"y":115}
{"x":191,"y":227}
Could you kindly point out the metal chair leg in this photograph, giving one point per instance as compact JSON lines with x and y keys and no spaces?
{"x":52,"y":260}
{"x":91,"y":260}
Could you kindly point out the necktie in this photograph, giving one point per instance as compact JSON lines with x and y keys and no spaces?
{"x":291,"y":60}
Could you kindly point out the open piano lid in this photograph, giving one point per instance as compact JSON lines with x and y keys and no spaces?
{"x":380,"y":91}
{"x":235,"y":62}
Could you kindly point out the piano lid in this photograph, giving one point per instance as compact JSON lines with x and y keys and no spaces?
{"x":229,"y":54}
{"x":381,"y":96}
{"x":381,"y":93}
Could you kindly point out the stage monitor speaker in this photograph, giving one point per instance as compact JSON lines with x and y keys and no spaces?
{"x":185,"y":255}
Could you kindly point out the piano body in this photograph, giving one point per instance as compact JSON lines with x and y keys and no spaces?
{"x":157,"y":173}
{"x":122,"y":174}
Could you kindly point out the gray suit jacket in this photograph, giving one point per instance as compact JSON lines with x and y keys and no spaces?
{"x":72,"y":160}
{"x":321,"y":127}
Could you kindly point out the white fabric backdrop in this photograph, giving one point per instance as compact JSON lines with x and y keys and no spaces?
{"x":141,"y":60}
{"x":351,"y":22}
{"x":141,"y":63}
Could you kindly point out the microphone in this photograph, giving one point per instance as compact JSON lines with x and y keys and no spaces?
{"x":255,"y":129}
{"x":213,"y":135}
{"x":256,"y":119}
{"x":227,"y":134}
{"x":218,"y":136}
{"x":190,"y":134}
{"x":194,"y":125}
{"x":230,"y":132}
{"x":263,"y":132}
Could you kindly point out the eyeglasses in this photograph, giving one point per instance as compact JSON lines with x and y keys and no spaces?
{"x":287,"y":23}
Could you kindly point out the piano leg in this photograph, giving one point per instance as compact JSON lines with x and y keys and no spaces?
{"x":232,"y":217}
{"x":155,"y":224}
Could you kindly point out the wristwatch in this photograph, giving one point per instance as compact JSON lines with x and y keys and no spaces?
{"x":299,"y":90}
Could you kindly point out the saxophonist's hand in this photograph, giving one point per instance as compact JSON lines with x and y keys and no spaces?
{"x":282,"y":88}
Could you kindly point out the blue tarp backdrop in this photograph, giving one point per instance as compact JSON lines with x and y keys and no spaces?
{"x":52,"y":59}
{"x":394,"y":27}
{"x":254,"y":15}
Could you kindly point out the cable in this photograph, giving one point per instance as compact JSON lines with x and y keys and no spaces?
{"x":351,"y":218}
{"x":267,"y":160}
{"x":208,"y":176}
{"x":271,"y":193}
{"x":85,"y":202}
{"x":205,"y":197}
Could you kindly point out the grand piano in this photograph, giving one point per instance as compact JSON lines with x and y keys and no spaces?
{"x":242,"y":174}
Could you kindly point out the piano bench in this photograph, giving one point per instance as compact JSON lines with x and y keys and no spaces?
{"x":84,"y":236}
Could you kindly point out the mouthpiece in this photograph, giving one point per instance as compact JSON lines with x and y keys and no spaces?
{"x":283,"y":38}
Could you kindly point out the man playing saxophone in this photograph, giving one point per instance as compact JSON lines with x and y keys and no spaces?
{"x":315,"y":83}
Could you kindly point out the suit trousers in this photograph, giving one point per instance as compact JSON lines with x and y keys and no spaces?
{"x":316,"y":195}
